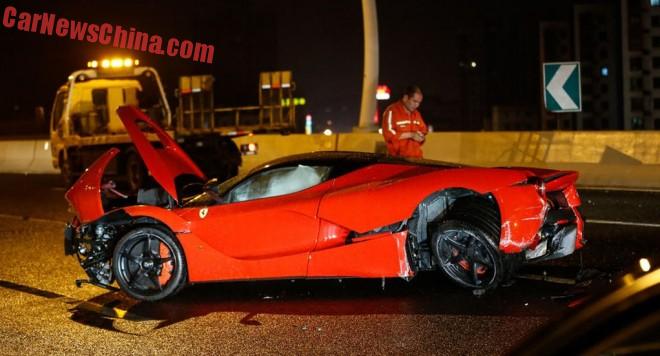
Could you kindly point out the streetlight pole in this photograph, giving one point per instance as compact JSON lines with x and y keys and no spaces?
{"x":370,"y":74}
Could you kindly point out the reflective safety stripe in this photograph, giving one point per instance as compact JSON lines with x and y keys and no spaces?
{"x":416,"y":122}
{"x":389,"y":122}
{"x":403,"y":122}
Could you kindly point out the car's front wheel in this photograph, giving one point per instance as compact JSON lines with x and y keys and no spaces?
{"x":149,"y":264}
{"x":467,"y":254}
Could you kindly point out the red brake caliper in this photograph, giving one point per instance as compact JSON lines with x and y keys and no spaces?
{"x":466,"y":265}
{"x":167,"y":267}
{"x":463,"y":263}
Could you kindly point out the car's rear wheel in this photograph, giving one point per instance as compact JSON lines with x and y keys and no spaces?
{"x":467,"y":254}
{"x":149,"y":264}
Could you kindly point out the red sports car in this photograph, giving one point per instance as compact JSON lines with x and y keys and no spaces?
{"x":317,"y":215}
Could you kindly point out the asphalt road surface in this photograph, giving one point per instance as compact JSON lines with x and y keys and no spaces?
{"x":43,"y":312}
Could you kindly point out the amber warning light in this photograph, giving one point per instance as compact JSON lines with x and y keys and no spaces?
{"x":108,"y":63}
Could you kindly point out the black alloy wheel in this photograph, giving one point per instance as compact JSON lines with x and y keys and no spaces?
{"x":149,"y":264}
{"x":467,"y":255}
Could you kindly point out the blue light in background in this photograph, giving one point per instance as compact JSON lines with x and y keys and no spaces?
{"x":604,"y":71}
{"x":655,"y":2}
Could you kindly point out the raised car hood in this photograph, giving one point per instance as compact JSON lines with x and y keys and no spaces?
{"x":164,"y":163}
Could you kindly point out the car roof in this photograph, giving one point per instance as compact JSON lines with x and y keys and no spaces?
{"x":333,"y":158}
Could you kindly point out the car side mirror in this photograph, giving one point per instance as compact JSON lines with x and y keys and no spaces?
{"x":211,"y":182}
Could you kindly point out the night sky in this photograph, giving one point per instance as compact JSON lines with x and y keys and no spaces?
{"x":421,"y":42}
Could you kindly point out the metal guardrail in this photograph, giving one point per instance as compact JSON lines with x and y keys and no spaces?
{"x":228,"y":120}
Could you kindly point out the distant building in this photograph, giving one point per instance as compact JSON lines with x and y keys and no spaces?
{"x":640,"y":43}
{"x":513,"y":118}
{"x":595,"y":35}
{"x":618,"y":47}
{"x":471,"y":88}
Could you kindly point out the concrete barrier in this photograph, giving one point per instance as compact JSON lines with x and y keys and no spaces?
{"x":603,"y":158}
{"x":271,"y":147}
{"x":26,"y":156}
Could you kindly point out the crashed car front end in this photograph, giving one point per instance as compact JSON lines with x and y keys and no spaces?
{"x":92,"y":244}
{"x":102,"y":222}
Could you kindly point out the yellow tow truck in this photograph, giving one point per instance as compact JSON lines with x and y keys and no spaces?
{"x":84,"y":122}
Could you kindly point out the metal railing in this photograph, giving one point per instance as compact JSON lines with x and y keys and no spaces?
{"x":244,"y":118}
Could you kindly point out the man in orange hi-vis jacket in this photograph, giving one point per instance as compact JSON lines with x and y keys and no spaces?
{"x":403,"y":127}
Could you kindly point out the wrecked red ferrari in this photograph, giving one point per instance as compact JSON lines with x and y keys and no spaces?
{"x":317,"y":215}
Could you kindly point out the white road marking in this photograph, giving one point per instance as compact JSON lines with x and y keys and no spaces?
{"x":29,"y":218}
{"x":625,"y":223}
{"x":619,"y":189}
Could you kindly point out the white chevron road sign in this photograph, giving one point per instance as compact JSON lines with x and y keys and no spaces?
{"x":561,"y":82}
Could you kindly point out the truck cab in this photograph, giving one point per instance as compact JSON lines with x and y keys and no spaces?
{"x":84,"y":122}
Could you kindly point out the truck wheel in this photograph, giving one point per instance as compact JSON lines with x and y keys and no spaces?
{"x":135,"y":172}
{"x":68,"y":178}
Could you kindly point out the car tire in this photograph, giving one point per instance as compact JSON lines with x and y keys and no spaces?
{"x":149,"y":264}
{"x":467,"y":254}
